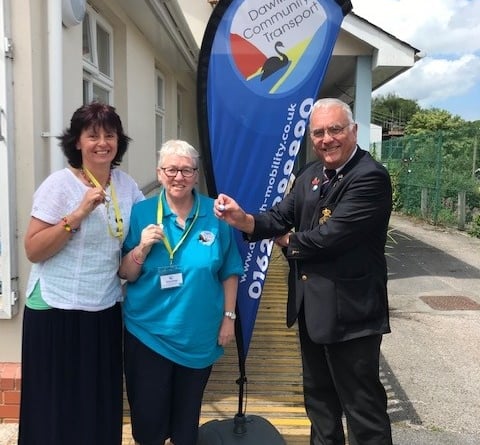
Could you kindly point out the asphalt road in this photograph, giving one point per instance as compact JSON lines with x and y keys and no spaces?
{"x":431,"y":365}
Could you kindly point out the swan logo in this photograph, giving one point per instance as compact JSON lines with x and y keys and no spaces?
{"x":274,"y":63}
{"x":274,"y":45}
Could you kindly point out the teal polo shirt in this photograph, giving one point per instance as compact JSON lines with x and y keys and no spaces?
{"x":181,"y":323}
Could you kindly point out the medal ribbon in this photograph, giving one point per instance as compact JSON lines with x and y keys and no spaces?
{"x":116,"y":208}
{"x":168,"y":246}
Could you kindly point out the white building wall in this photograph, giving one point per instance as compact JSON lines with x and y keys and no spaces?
{"x":376,"y":140}
{"x":135,"y":60}
{"x":140,"y":117}
{"x":29,"y":147}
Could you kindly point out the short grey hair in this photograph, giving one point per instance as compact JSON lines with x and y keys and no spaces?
{"x":330,"y":102}
{"x":179,"y":148}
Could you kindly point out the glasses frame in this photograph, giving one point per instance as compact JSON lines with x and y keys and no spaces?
{"x":332,"y":131}
{"x":181,"y":170}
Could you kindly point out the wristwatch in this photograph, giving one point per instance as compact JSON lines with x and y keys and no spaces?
{"x":230,"y":314}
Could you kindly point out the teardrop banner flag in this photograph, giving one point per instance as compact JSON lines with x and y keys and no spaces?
{"x":260,"y":68}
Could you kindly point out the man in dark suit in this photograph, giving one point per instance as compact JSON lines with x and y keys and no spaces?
{"x":338,"y":276}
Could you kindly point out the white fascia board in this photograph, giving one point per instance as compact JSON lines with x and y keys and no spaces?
{"x":387,"y":50}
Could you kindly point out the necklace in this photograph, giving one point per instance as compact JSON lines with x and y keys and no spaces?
{"x":87,"y":175}
{"x":118,"y":233}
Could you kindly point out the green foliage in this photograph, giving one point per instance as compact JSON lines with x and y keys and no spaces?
{"x":474,"y":229}
{"x":428,"y":171}
{"x":396,"y":195}
{"x":393,"y":110}
{"x":433,"y":119}
{"x":434,"y":160}
{"x":445,"y":217}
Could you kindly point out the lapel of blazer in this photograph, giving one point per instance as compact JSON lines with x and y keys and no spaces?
{"x":328,"y":201}
{"x":348,"y":166}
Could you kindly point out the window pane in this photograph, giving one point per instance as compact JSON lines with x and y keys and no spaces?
{"x":86,"y":98}
{"x":158,"y":131}
{"x":87,"y":38}
{"x":103,"y":50}
{"x":101,"y":94}
{"x":179,"y":106}
{"x":160,"y":92}
{"x":179,"y":114}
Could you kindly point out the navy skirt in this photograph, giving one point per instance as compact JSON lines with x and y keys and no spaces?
{"x":72,"y":390}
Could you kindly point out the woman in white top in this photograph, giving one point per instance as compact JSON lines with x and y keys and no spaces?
{"x":72,"y":389}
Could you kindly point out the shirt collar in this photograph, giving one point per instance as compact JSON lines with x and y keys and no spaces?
{"x":337,"y":170}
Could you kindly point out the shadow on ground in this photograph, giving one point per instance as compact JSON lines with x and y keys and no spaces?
{"x":408,"y":257}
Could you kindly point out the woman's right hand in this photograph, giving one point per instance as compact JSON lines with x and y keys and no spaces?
{"x":151,"y":234}
{"x":92,"y":198}
{"x":131,"y":264}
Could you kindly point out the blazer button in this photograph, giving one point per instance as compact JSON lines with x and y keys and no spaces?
{"x":304,"y":277}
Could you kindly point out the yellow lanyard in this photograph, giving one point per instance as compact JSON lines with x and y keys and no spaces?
{"x":116,"y":209}
{"x":168,"y":246}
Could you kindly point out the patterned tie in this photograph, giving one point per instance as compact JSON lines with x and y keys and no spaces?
{"x":328,"y":175}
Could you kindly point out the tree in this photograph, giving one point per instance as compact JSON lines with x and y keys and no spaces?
{"x":433,"y":119}
{"x":393,"y":112}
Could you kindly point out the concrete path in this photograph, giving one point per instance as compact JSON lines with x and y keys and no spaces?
{"x":433,"y":353}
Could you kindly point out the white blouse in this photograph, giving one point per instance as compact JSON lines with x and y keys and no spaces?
{"x":83,"y":275}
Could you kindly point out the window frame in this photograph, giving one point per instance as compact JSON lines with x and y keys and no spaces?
{"x":160,"y":108}
{"x":92,"y":74}
{"x":180,"y":107}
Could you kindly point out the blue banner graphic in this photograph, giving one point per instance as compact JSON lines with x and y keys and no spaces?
{"x":260,"y":69}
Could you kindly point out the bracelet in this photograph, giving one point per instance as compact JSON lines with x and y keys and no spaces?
{"x":67,"y":227}
{"x":135,"y":259}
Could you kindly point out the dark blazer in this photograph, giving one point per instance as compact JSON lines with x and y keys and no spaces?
{"x":337,"y":259}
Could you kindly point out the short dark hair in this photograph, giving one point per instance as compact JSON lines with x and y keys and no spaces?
{"x":96,"y":115}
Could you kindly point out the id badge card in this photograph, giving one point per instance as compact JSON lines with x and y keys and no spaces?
{"x":170,"y":277}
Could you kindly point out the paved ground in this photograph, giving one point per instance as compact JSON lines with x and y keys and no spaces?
{"x":433,"y":356}
{"x":431,"y":360}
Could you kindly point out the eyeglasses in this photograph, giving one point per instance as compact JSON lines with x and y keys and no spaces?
{"x":320,"y":133}
{"x":186,"y":172}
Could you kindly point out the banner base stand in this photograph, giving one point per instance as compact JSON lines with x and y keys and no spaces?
{"x":244,"y":430}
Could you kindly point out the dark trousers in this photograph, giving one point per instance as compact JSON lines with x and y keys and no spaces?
{"x":165,"y":398}
{"x":343,"y":378}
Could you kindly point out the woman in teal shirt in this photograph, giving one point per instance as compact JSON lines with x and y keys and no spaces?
{"x":182,"y":266}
